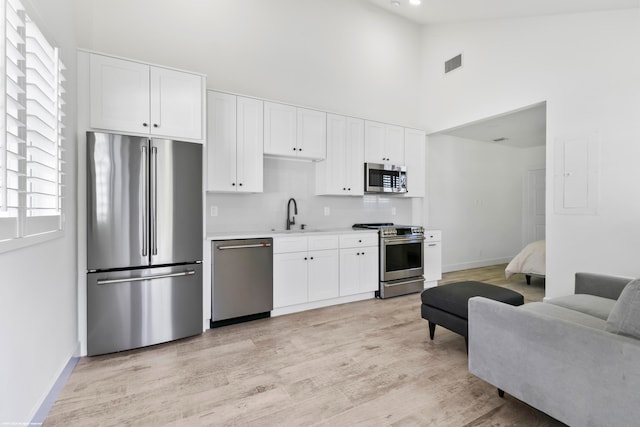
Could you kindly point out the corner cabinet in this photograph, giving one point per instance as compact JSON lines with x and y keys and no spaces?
{"x":133,"y":97}
{"x":294,"y":132}
{"x":383,"y":143}
{"x":341,"y":174}
{"x":234,"y":143}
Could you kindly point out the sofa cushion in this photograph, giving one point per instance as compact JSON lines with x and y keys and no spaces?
{"x":625,"y":316}
{"x":588,"y":304}
{"x":563,"y":313}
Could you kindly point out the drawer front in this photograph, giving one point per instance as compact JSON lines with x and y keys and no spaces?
{"x":289,"y":244}
{"x":432,"y":235}
{"x":320,"y":243}
{"x":358,"y":240}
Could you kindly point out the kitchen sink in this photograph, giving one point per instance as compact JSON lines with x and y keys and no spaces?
{"x":296,"y":231}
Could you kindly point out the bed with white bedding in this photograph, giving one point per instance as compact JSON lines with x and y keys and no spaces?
{"x":530,"y":261}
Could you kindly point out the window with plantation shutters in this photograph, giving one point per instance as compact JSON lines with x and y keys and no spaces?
{"x":31,"y":154}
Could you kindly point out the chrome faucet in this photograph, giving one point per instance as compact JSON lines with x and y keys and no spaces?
{"x":291,"y":219}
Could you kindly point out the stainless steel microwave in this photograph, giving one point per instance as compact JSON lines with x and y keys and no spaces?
{"x":382,"y":178}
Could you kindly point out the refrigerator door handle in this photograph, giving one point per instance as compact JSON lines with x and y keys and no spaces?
{"x":154,"y":201}
{"x":140,"y":279}
{"x":145,"y":202}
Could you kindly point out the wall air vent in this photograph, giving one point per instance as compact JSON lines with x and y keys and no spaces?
{"x":453,"y":63}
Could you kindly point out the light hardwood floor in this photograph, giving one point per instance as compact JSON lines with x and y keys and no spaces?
{"x":365,"y":363}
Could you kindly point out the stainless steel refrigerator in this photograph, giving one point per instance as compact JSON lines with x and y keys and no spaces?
{"x":144,"y":241}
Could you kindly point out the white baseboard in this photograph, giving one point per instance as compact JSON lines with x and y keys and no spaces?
{"x":475,"y":264}
{"x":44,"y":405}
{"x":318,"y":304}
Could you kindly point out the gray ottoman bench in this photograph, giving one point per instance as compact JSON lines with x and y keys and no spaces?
{"x":447,"y":305}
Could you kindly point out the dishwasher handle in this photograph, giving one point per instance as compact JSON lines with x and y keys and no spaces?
{"x":253,"y":245}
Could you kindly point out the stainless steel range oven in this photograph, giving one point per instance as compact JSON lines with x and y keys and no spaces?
{"x":401,"y":258}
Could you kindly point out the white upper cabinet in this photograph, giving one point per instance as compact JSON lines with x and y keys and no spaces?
{"x":176,"y":103}
{"x":234,"y":145}
{"x":250,"y":136}
{"x":280,"y":129}
{"x":312,"y":134}
{"x":221,"y":141}
{"x":415,"y":161}
{"x":294,"y":132}
{"x":384,"y":143}
{"x":342,"y":173}
{"x":119,"y":94}
{"x":128,"y":96}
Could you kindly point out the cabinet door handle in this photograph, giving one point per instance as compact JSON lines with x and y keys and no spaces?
{"x":311,"y":257}
{"x":431,"y":244}
{"x":145,"y":124}
{"x":240,"y":184}
{"x":155,"y":125}
{"x":294,"y":148}
{"x":233,"y":184}
{"x":305,"y":258}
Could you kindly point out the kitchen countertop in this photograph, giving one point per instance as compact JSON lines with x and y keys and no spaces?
{"x":227,"y":235}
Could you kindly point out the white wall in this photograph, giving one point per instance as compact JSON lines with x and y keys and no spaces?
{"x":38,"y":301}
{"x":476,"y":195}
{"x":347,"y":56}
{"x":586,"y":67}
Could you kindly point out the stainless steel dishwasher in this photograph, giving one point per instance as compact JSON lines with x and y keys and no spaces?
{"x":241,"y":280}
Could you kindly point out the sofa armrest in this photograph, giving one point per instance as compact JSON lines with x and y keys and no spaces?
{"x":577,"y":374}
{"x":600,"y":285}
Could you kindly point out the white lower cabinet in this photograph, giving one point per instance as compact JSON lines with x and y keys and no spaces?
{"x":305,"y":269}
{"x":323,"y":275}
{"x":312,"y":271}
{"x":289,"y":279}
{"x":358,"y":264}
{"x":432,"y":257}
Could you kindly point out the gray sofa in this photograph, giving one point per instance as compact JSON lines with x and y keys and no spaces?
{"x":576,"y":358}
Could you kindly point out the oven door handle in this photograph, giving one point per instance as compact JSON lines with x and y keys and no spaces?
{"x":401,"y":240}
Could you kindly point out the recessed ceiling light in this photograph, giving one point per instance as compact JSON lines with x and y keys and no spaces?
{"x":395,"y":2}
{"x":415,"y":2}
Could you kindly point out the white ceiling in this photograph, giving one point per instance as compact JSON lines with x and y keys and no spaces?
{"x":446,"y":11}
{"x":522,"y":128}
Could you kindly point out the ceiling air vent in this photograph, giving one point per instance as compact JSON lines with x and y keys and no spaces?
{"x":453,"y":63}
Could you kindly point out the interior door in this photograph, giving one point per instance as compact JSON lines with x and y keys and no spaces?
{"x":176,"y":201}
{"x":117,"y":173}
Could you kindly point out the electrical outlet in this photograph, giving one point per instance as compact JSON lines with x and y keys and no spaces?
{"x":393,"y":210}
{"x":327,"y":211}
{"x":214,"y":211}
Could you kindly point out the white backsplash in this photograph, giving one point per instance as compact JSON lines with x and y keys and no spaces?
{"x":284,"y":179}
